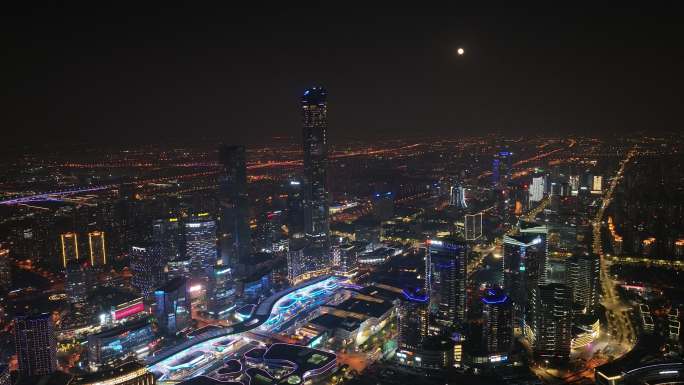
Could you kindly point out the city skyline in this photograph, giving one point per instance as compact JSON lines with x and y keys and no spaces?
{"x":340,"y":195}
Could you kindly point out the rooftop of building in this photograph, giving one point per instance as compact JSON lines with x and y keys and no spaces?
{"x":314,"y":95}
{"x":495,"y":297}
{"x":364,"y":307}
{"x":388,"y":293}
{"x":331,"y":321}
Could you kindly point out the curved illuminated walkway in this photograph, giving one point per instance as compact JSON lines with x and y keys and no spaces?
{"x":269,"y":316}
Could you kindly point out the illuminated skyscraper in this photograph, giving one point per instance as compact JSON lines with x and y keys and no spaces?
{"x":36,"y":345}
{"x":76,"y":285}
{"x":167,"y":233}
{"x":497,"y":327}
{"x":524,"y":266}
{"x":518,"y":199}
{"x":551,"y":326}
{"x":147,"y":265}
{"x":69,"y":243}
{"x":473,"y":226}
{"x":315,"y":126}
{"x":412,"y":324}
{"x":234,"y":237}
{"x":457,"y":196}
{"x":445,"y":280}
{"x":583,"y":279}
{"x":295,"y":208}
{"x":501,"y":169}
{"x":98,"y":249}
{"x":220,"y":292}
{"x":172,"y":308}
{"x":200,"y":241}
{"x":537,"y":188}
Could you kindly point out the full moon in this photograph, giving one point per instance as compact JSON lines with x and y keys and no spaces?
{"x":460,"y":51}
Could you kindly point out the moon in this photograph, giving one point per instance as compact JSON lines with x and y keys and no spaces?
{"x":460,"y":51}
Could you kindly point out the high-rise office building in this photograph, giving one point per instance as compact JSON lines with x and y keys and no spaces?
{"x":306,"y":260}
{"x":345,"y":258}
{"x":537,"y":189}
{"x":551,"y":322}
{"x":234,"y":236}
{"x":445,"y":280}
{"x":525,"y":260}
{"x":296,"y":208}
{"x":412,"y":323}
{"x":268,"y":230}
{"x":315,"y":126}
{"x":518,"y":199}
{"x":5,"y":269}
{"x":36,"y":346}
{"x":457,"y":196}
{"x":69,"y":243}
{"x":147,"y":266}
{"x":473,"y":226}
{"x":501,"y":169}
{"x":497,"y":325}
{"x":220,"y":292}
{"x":200,"y":241}
{"x":76,"y":282}
{"x":97,"y":248}
{"x":168,"y":234}
{"x":172,"y":306}
{"x":582,"y":272}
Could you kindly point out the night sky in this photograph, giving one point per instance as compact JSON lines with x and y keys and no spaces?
{"x":133,"y":73}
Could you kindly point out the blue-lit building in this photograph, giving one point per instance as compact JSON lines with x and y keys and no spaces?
{"x":501,"y":169}
{"x":234,"y":234}
{"x":497,"y":325}
{"x":172,"y":306}
{"x":256,"y":286}
{"x":131,"y":339}
{"x":445,"y":280}
{"x":316,"y":193}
